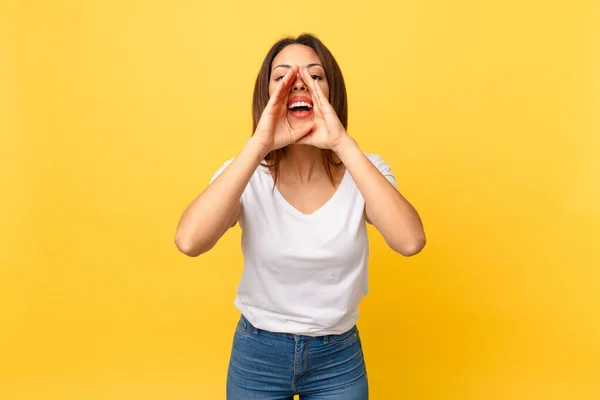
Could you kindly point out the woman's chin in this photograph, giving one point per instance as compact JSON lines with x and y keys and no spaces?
{"x":298,"y":121}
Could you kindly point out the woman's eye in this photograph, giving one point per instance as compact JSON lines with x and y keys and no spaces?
{"x":316,"y":77}
{"x":279,"y":78}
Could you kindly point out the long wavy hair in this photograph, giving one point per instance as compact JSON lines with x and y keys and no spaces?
{"x":337,"y":94}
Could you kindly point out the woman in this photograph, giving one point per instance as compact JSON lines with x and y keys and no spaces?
{"x":303,"y":192}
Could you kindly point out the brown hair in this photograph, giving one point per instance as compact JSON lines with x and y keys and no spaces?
{"x":337,"y":94}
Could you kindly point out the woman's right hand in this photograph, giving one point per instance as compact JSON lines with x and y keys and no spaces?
{"x":273,"y":130}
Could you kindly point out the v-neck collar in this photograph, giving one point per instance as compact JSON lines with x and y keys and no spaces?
{"x":294,"y":210}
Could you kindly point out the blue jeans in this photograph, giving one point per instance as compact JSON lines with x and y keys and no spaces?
{"x":276,"y":366}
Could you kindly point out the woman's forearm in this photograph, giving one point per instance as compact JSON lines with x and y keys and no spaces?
{"x":209,"y":216}
{"x":385,"y":207}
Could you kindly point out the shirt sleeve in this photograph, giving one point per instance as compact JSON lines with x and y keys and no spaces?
{"x":383,"y":167}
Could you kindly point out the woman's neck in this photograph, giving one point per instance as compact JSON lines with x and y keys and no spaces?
{"x":302,"y":163}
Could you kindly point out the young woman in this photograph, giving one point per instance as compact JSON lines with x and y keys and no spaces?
{"x":302,"y":191}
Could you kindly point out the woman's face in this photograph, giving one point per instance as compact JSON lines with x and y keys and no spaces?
{"x":300,"y":100}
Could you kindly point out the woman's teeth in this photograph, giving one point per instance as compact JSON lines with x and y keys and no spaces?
{"x":300,"y":104}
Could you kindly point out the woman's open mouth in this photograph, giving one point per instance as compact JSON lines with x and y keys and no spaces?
{"x":300,"y":106}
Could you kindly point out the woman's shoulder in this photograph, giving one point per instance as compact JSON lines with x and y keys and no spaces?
{"x":373,"y":157}
{"x":261,"y":172}
{"x":382,"y":166}
{"x":376,"y":159}
{"x":221,"y":169}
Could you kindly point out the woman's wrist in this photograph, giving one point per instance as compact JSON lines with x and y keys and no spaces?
{"x":257,"y":150}
{"x":344,"y":145}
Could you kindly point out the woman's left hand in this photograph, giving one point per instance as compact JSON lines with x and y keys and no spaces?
{"x":328,"y":132}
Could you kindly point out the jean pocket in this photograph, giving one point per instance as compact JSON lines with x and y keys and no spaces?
{"x":243,"y":327}
{"x":345,"y":337}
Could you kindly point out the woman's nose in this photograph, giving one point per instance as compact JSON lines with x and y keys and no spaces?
{"x":299,"y":84}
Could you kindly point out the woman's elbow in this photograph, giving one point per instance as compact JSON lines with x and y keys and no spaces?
{"x":410,"y":247}
{"x":190,"y":247}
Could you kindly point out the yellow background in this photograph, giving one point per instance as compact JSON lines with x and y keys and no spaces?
{"x":114,"y":115}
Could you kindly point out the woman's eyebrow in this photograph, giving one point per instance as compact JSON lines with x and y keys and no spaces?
{"x":282,"y":66}
{"x":289,"y":66}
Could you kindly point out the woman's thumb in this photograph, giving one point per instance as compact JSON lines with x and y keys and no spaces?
{"x":304,"y":130}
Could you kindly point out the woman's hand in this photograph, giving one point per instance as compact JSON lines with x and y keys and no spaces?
{"x":328,"y":131}
{"x":273,"y":130}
